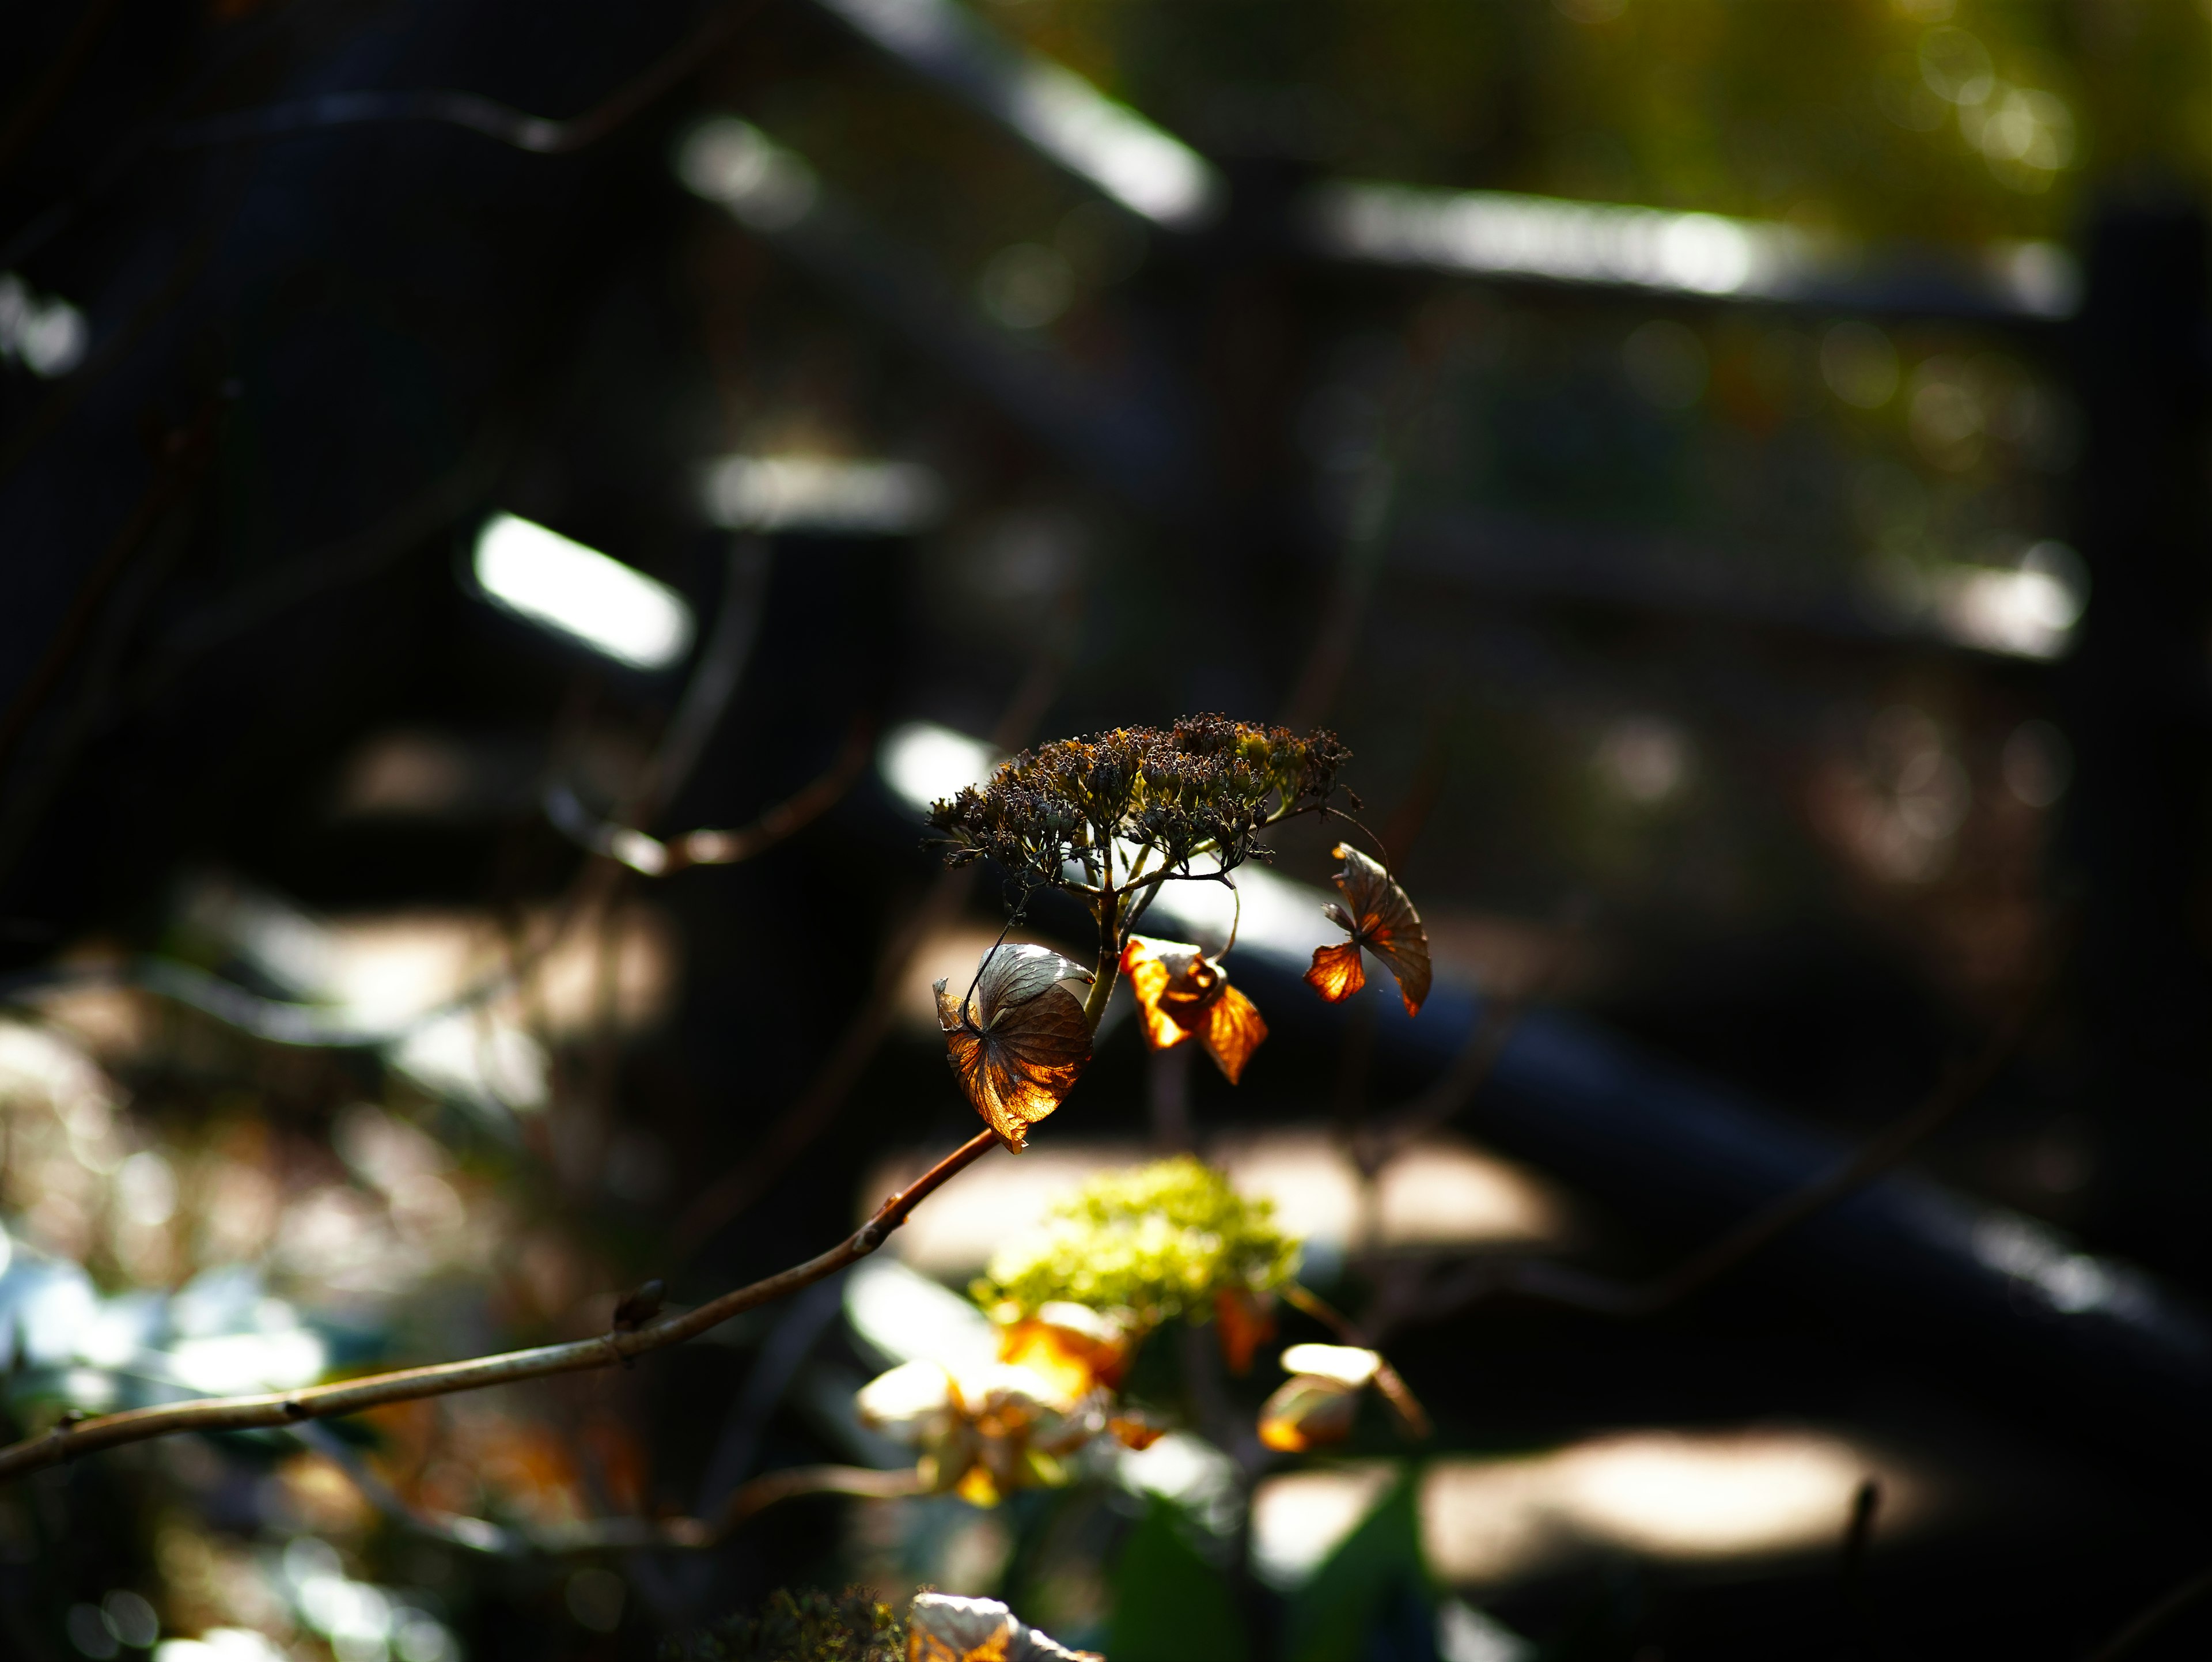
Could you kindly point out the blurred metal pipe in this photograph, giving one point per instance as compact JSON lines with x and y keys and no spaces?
{"x":2000,"y":1292}
{"x":1125,"y":435}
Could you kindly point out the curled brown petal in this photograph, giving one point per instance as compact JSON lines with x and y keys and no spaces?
{"x":1019,"y":1041}
{"x":1378,"y":916}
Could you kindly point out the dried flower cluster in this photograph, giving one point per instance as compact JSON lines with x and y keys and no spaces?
{"x":1110,"y":819}
{"x":1124,"y":805}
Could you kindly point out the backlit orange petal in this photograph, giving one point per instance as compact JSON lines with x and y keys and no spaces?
{"x":1336,"y":972}
{"x":1074,"y":1359}
{"x":1133,"y":1431}
{"x":1148,"y":980}
{"x":1233,"y":1031}
{"x":1385,"y":923}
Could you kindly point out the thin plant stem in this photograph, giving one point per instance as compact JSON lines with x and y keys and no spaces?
{"x":1387,"y":1380}
{"x":2147,"y":1621}
{"x":74,"y":1438}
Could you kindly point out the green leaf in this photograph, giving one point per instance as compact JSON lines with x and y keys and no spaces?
{"x":1170,"y":1604}
{"x":1374,"y":1596}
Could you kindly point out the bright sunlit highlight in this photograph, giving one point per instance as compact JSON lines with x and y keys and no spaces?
{"x":1686,"y":1496}
{"x":1571,"y":242}
{"x":1063,"y":115}
{"x":2028,"y":613}
{"x":924,"y":762}
{"x":815,"y":493}
{"x":580,"y":592}
{"x":1507,"y":234}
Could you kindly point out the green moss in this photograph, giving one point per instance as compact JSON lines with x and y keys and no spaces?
{"x":1157,"y":1241}
{"x":807,"y":1626}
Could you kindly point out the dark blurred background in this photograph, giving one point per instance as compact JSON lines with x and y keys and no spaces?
{"x":1734,"y":476}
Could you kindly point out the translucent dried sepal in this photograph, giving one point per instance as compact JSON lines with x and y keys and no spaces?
{"x":1019,"y":1041}
{"x":1378,"y":916}
{"x":1308,"y":1411}
{"x":1181,"y":993}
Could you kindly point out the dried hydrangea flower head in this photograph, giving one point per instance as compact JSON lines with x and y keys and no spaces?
{"x":1109,"y":819}
{"x":1124,"y":806}
{"x":1017,"y":1039}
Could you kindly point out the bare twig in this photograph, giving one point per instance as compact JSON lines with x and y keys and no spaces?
{"x":650,"y":856}
{"x":591,"y":1535}
{"x":817,"y":1107}
{"x":1387,"y":1380}
{"x":36,"y":110}
{"x":1375,"y":1147}
{"x":189,"y":450}
{"x":70,"y":1440}
{"x":350,"y":559}
{"x":2156,"y":1616}
{"x":537,"y":134}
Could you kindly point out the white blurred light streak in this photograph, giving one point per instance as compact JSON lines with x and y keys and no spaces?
{"x":811,"y":493}
{"x":1679,"y":1495}
{"x":49,"y":336}
{"x":2028,"y":613}
{"x":1500,"y":233}
{"x":220,"y":1644}
{"x":1058,"y":111}
{"x":1493,"y":231}
{"x":580,"y":593}
{"x":765,"y":187}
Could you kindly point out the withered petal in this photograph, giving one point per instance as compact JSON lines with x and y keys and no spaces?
{"x":1233,"y":1031}
{"x":1337,"y":972}
{"x":1308,"y":1412}
{"x":1385,"y":923}
{"x":1148,"y":980}
{"x":1016,"y":1062}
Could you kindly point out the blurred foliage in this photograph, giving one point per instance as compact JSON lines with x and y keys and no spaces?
{"x":1170,"y":1603}
{"x":1159,"y":1242}
{"x":1374,"y":1585}
{"x":1822,"y":114}
{"x":807,"y":1626}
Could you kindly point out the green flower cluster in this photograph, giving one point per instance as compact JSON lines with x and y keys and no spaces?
{"x":1155,"y":1242}
{"x":808,"y":1626}
{"x":1202,"y":787}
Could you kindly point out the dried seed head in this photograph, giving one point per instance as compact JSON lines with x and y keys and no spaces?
{"x":1203,"y":786}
